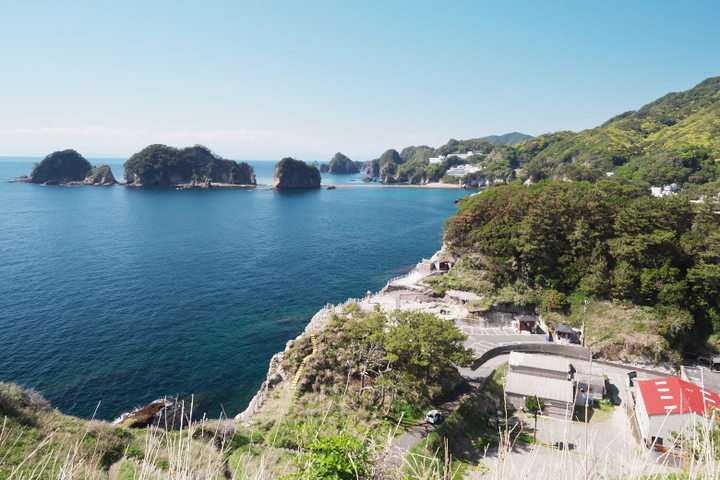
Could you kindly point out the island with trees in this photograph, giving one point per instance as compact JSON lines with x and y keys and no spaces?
{"x":292,"y":174}
{"x":68,"y":167}
{"x":161,"y":165}
{"x":339,"y":164}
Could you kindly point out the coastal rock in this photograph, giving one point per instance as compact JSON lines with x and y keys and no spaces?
{"x":324,"y":168}
{"x":295,"y":174}
{"x":145,"y":416}
{"x":161,"y":165}
{"x":59,"y":168}
{"x":100,"y":176}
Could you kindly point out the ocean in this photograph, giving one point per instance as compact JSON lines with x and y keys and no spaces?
{"x":112,"y":297}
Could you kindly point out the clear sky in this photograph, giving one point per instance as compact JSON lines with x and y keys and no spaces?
{"x":274,"y":78}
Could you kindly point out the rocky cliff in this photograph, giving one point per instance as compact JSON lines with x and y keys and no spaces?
{"x":101,"y":175}
{"x":295,"y":174}
{"x":161,"y":165}
{"x":60,"y":168}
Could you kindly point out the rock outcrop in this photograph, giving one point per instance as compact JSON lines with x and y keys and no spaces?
{"x":59,"y":168}
{"x":160,"y":165}
{"x":101,"y":175}
{"x":295,"y":174}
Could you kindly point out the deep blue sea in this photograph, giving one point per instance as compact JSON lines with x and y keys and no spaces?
{"x":117,"y":296}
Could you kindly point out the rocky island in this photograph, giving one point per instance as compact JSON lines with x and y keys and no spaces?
{"x":340,"y":164}
{"x":293,"y":174}
{"x":68,"y":167}
{"x":162,"y":166}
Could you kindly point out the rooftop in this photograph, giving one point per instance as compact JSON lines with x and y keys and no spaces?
{"x":588,"y":368}
{"x":675,"y":395}
{"x":540,"y":362}
{"x":547,"y":388}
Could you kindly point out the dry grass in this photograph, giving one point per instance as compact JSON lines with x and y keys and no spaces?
{"x":623,"y":333}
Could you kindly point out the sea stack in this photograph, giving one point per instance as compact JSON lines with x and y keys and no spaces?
{"x":101,"y":175}
{"x":295,"y":174}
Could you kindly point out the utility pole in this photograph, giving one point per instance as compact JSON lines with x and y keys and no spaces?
{"x":585,"y":305}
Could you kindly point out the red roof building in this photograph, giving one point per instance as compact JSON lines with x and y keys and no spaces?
{"x":671,"y":405}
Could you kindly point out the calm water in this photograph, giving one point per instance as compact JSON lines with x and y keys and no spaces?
{"x":120,"y":296}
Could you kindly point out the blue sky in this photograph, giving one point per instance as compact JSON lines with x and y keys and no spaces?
{"x":264,"y":80}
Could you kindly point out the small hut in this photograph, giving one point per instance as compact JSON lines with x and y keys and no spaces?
{"x":567,"y":334}
{"x":526,"y":323}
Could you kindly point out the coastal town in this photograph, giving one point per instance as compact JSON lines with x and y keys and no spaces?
{"x":605,"y":416}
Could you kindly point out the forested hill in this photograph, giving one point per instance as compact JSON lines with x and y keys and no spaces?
{"x":544,"y":244}
{"x":675,"y":139}
{"x":508,"y":139}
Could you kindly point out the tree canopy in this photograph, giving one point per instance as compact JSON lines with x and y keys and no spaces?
{"x":608,"y":240}
{"x":165,"y":165}
{"x":62,"y":166}
{"x":405,"y":355}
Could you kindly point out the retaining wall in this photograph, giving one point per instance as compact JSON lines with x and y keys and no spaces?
{"x":572,"y":351}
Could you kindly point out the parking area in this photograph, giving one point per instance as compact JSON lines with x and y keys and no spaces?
{"x":482,"y":339}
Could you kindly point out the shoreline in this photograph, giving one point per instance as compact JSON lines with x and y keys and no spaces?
{"x":389,"y":296}
{"x":259,"y":186}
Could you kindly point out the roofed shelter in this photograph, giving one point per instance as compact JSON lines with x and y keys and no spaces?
{"x":526,"y":323}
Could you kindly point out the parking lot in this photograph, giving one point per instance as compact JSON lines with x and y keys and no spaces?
{"x":483,"y":338}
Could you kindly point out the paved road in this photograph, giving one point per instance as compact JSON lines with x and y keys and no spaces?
{"x":482,"y":339}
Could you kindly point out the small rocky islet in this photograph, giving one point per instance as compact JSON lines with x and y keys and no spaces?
{"x":68,"y":167}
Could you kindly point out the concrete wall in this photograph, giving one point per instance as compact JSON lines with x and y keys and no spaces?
{"x":570,"y":351}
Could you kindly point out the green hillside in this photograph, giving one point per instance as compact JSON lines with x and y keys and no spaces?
{"x":508,"y":139}
{"x":545,"y":244}
{"x":673,"y":139}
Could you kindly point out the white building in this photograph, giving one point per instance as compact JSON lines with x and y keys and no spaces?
{"x":462,"y":170}
{"x":461,"y":156}
{"x":669,"y":406}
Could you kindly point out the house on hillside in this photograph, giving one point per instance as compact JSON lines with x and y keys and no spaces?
{"x":567,"y":334}
{"x":461,"y":156}
{"x":671,"y":405}
{"x":440,"y":264}
{"x":556,"y":394}
{"x":546,"y":366}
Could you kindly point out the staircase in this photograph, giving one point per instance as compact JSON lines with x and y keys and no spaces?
{"x":300,"y":371}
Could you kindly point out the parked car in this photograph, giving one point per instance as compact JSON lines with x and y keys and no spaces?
{"x":502,"y":422}
{"x":434,"y":417}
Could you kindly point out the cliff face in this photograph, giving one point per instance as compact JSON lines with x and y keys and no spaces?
{"x":60,"y":167}
{"x":295,"y":174}
{"x":100,"y":176}
{"x":160,"y":165}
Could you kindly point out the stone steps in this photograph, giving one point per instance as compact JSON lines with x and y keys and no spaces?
{"x":298,"y":375}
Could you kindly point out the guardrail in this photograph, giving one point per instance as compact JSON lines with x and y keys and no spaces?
{"x":572,"y":351}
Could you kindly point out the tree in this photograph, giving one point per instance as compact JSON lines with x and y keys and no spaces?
{"x":534,"y":405}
